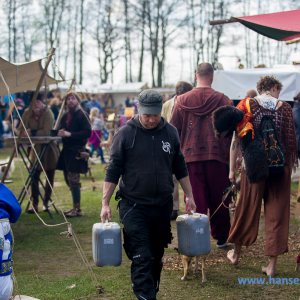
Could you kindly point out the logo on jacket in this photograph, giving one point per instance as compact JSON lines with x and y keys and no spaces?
{"x":166,"y":146}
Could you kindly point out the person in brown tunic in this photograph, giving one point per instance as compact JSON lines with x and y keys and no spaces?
{"x":41,"y":120}
{"x":275,"y":190}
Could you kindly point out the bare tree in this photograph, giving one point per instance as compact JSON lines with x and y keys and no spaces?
{"x":81,"y":40}
{"x":128,"y":53}
{"x":14,"y":30}
{"x":205,"y":39}
{"x":107,"y":33}
{"x":53,"y":13}
{"x":163,"y":21}
{"x":143,"y":19}
{"x":139,"y":23}
{"x":8,"y":8}
{"x":68,"y":37}
{"x":29,"y":29}
{"x":75,"y":41}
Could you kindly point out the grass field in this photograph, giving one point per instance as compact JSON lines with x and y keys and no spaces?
{"x":46,"y":262}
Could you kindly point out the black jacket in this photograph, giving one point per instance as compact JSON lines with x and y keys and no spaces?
{"x":81,"y":130}
{"x":146,"y":160}
{"x":296,"y":113}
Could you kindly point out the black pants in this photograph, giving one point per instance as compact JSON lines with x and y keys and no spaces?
{"x":34,"y":189}
{"x":147,"y":231}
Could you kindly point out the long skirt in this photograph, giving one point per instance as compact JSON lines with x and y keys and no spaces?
{"x":275,"y":191}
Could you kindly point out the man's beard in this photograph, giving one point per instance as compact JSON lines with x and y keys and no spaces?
{"x":72,"y":109}
{"x":37,"y":111}
{"x":148,"y":125}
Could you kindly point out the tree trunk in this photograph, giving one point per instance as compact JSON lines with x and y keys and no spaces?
{"x":143,"y":40}
{"x":9,"y":29}
{"x":219,"y":30}
{"x":15,"y":32}
{"x":97,"y":35}
{"x":126,"y":39}
{"x":68,"y":40}
{"x":74,"y":44}
{"x":81,"y":43}
{"x":130,"y":58}
{"x":159,"y":72}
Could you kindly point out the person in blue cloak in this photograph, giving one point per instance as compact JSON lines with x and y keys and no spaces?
{"x":10,"y":211}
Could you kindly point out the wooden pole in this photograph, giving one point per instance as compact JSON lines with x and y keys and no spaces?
{"x":63,"y":106}
{"x":223,"y":21}
{"x":30,"y":109}
{"x":293,"y":42}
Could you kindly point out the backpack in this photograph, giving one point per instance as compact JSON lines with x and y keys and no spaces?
{"x":272,"y":143}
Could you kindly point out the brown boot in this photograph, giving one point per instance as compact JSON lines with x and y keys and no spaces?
{"x":72,"y":213}
{"x":68,"y":211}
{"x":75,"y":212}
{"x":78,"y":209}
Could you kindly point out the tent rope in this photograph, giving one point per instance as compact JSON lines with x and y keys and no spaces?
{"x":70,"y":232}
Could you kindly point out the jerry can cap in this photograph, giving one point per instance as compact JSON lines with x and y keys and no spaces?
{"x":195,"y":215}
{"x":107,"y":225}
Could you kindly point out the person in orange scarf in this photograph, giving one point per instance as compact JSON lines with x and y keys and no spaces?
{"x":275,"y":189}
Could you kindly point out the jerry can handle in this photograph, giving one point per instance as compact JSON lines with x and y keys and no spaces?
{"x":107,"y":225}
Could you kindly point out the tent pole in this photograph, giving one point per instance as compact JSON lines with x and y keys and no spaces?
{"x":63,"y":106}
{"x":293,"y":42}
{"x":223,"y":21}
{"x":30,"y":109}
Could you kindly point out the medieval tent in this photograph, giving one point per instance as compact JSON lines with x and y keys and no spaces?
{"x":235,"y":83}
{"x":22,"y":77}
{"x":281,"y":26}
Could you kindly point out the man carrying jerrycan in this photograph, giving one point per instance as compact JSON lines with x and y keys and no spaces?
{"x":145,"y":153}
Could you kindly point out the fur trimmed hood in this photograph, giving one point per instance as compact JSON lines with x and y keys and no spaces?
{"x":225,"y":119}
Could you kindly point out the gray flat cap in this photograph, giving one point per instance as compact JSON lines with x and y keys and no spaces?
{"x":150,"y":102}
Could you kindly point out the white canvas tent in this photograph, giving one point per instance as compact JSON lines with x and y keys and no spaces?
{"x":235,"y":83}
{"x":22,"y":77}
{"x":118,"y":92}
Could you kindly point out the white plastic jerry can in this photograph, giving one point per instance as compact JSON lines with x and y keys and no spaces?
{"x":193,"y":234}
{"x":107,"y":244}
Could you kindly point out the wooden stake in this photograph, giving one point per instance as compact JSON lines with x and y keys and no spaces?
{"x":30,"y":109}
{"x":63,"y":106}
{"x":223,"y":21}
{"x":293,"y":41}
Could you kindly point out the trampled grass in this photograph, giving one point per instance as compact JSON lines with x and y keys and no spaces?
{"x":46,"y":262}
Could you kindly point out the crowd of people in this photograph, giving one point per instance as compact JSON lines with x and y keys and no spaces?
{"x":163,"y":146}
{"x":149,"y":157}
{"x":78,"y":130}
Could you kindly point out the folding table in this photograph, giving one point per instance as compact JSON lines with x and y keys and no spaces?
{"x":44,"y":141}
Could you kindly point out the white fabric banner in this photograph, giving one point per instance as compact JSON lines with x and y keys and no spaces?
{"x":235,"y":83}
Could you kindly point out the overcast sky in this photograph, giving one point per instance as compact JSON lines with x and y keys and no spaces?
{"x":178,"y":66}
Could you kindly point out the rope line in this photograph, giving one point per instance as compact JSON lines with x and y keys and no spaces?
{"x":232,"y":188}
{"x":70,"y":232}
